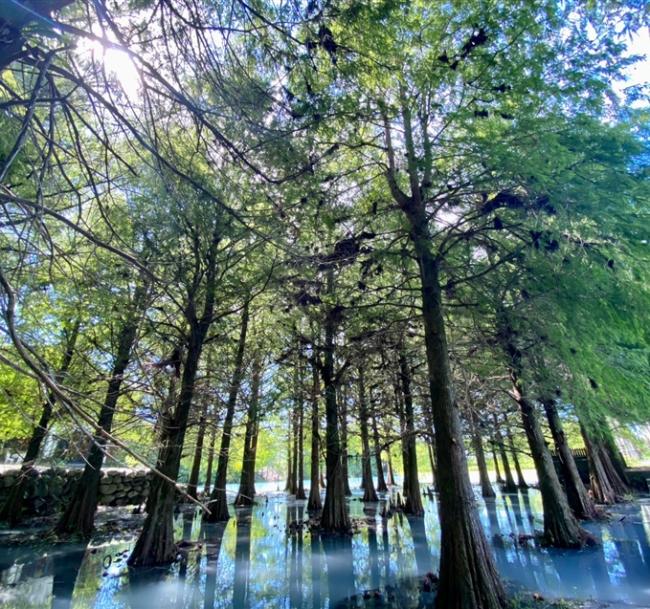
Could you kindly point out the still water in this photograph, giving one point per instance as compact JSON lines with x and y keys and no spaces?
{"x":258,"y":560}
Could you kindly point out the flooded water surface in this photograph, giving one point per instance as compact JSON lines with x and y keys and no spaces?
{"x":266,"y":557}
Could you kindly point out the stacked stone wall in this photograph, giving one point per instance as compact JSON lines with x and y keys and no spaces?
{"x":48,"y":490}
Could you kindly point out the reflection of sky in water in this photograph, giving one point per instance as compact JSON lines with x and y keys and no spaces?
{"x":252,"y":562}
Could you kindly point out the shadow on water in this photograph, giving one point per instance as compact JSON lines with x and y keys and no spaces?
{"x":267,"y":556}
{"x":242,"y":559}
{"x":64,"y":577}
{"x":212,"y":536}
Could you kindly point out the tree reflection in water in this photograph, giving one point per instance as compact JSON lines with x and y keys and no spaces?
{"x":267,"y":556}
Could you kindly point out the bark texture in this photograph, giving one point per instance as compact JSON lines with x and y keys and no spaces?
{"x":367,"y":483}
{"x":300,"y":438}
{"x":390,"y":475}
{"x":497,"y":469}
{"x":289,"y":486}
{"x":561,"y":529}
{"x":605,"y":483}
{"x":381,"y":481}
{"x":579,"y":501}
{"x":413,"y":499}
{"x":616,"y":457}
{"x":432,"y":462}
{"x":246,"y":493}
{"x":314,"y":503}
{"x":468,"y":575}
{"x":335,"y":516}
{"x":521,"y":481}
{"x":343,"y":408}
{"x":294,"y":454}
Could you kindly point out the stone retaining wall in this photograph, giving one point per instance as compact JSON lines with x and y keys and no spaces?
{"x":48,"y":490}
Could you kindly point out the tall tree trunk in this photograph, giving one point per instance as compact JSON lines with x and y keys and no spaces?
{"x":369,"y":493}
{"x":155,"y":545}
{"x":294,"y":458}
{"x":300,"y":492}
{"x":246,"y":494}
{"x":163,"y":425}
{"x":12,"y":509}
{"x":608,"y":459}
{"x":298,"y":435}
{"x":601,"y":487}
{"x":579,"y":501}
{"x":413,"y":499}
{"x":486,"y":487}
{"x":561,"y":528}
{"x":390,"y":474}
{"x":399,"y":405}
{"x":615,"y":455}
{"x":495,"y":460}
{"x":428,"y":416}
{"x":335,"y":513}
{"x":254,"y":441}
{"x":432,"y":463}
{"x":314,"y":503}
{"x":198,"y":454}
{"x":606,"y":485}
{"x":208,"y":471}
{"x":288,"y":487}
{"x":510,"y":486}
{"x":218,"y":500}
{"x":611,"y":456}
{"x":468,"y":575}
{"x":79,"y":515}
{"x":521,"y":481}
{"x":344,"y":442}
{"x":381,"y":481}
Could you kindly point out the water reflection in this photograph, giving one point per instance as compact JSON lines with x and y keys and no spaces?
{"x":212,"y":536}
{"x":267,"y":556}
{"x":64,"y":577}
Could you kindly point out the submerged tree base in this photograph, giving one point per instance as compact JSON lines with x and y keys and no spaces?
{"x":315,"y":527}
{"x":218,"y":506}
{"x":384,"y":575}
